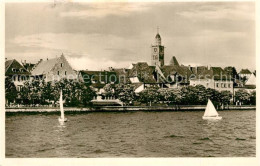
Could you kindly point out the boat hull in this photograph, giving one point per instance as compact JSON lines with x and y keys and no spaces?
{"x":211,"y":117}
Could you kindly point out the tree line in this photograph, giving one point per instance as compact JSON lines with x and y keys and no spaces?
{"x":80,"y":94}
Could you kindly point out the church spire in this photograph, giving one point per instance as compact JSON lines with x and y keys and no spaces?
{"x":158,"y":38}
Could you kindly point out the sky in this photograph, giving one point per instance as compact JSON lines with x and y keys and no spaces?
{"x":96,"y":36}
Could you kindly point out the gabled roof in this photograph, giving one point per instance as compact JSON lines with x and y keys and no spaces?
{"x":14,"y":67}
{"x":251,"y":80}
{"x":183,"y":71}
{"x":99,"y":79}
{"x":143,"y":71}
{"x":44,"y":67}
{"x":174,"y":61}
{"x":8,"y":64}
{"x":245,"y":71}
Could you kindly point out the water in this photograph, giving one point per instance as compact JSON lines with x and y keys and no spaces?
{"x":131,"y":134}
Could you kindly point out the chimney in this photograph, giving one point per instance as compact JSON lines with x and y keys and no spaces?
{"x":5,"y":59}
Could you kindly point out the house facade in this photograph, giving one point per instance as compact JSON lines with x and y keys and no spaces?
{"x":17,"y":73}
{"x":53,"y":70}
{"x":214,"y":78}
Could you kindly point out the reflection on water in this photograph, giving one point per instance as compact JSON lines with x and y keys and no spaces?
{"x":131,"y":134}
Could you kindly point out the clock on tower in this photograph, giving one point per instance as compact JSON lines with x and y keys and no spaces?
{"x":157,"y":52}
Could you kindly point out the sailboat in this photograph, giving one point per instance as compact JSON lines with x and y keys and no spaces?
{"x":211,"y":112}
{"x":62,"y":116}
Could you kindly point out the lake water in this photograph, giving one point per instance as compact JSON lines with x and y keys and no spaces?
{"x":131,"y":134}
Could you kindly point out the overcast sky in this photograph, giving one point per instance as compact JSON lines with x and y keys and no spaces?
{"x":97,"y":36}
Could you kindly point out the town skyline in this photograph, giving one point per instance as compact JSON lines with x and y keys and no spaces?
{"x":117,"y":35}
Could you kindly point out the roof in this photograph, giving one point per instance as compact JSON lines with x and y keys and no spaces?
{"x":143,"y":71}
{"x":216,"y":73}
{"x":43,"y":67}
{"x":174,"y":61}
{"x":251,"y":80}
{"x":157,"y":35}
{"x":122,"y":75}
{"x":14,"y":67}
{"x":250,"y":86}
{"x":198,"y":69}
{"x":183,"y":71}
{"x":8,"y":64}
{"x":245,"y":71}
{"x":99,"y":79}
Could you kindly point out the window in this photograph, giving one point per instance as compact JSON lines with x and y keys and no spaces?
{"x":65,"y":72}
{"x":58,"y":72}
{"x":224,"y":85}
{"x":61,"y":65}
{"x":217,"y":85}
{"x":229,"y":85}
{"x":207,"y":84}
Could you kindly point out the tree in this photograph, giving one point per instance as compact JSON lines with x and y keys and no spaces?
{"x":242,"y":96}
{"x":87,"y":94}
{"x":149,"y":95}
{"x":10,"y":91}
{"x":231,"y":71}
{"x":201,"y":94}
{"x":253,"y":97}
{"x":189,"y":95}
{"x":108,"y":91}
{"x":213,"y":95}
{"x":125,"y":93}
{"x":167,"y":95}
{"x":225,"y":97}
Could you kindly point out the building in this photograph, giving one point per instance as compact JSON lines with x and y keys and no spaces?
{"x":157,"y":52}
{"x":17,"y":73}
{"x":98,"y":79}
{"x":250,"y":84}
{"x":214,"y":78}
{"x":176,"y":76}
{"x":53,"y":69}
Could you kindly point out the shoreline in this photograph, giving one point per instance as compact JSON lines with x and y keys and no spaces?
{"x":122,"y":109}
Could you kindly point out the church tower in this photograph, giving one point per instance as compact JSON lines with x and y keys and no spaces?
{"x":157,"y":51}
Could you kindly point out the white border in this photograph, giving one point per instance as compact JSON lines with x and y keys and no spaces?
{"x":234,"y":161}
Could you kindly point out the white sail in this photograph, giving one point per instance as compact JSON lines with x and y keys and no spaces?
{"x":61,"y":107}
{"x":210,"y":110}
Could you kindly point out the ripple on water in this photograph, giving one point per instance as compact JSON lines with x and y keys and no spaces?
{"x":135,"y":134}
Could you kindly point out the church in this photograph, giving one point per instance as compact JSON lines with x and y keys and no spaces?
{"x":172,"y":74}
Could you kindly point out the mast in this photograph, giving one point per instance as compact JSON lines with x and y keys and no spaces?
{"x":61,"y":106}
